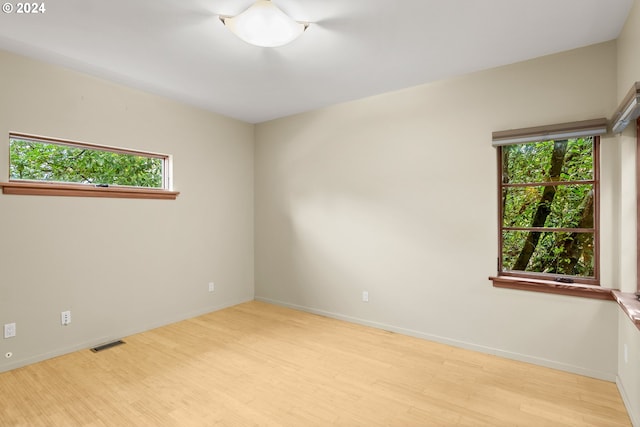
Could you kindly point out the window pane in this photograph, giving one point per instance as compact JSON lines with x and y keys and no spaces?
{"x":41,"y":161}
{"x":549,"y":252}
{"x":545,"y":161}
{"x":562,"y":206}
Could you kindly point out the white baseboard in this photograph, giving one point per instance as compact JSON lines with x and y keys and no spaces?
{"x":109,"y":338}
{"x":456,"y":343}
{"x":635,"y":418}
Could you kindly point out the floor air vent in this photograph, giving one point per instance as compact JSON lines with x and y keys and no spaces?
{"x":106,"y":346}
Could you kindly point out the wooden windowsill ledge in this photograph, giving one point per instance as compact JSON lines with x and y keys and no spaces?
{"x":547,"y":286}
{"x":630,"y":305}
{"x":84,"y":190}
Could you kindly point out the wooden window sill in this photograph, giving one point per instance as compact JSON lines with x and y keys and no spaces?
{"x":629,"y":304}
{"x":571,"y":289}
{"x":84,"y":190}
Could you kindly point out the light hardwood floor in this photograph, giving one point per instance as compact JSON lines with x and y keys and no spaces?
{"x":257,"y":364}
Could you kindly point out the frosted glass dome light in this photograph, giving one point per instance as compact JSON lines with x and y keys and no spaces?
{"x":265,"y":25}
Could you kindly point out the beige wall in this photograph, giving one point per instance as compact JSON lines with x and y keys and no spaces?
{"x":628,"y":336}
{"x":119,"y":265}
{"x":396,"y":195}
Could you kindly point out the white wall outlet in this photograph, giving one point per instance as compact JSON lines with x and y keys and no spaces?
{"x":626,"y":354}
{"x":9,"y":330}
{"x":212,"y":286}
{"x":65,"y":318}
{"x":365,"y":296}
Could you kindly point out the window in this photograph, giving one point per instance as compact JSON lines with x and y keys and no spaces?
{"x":39,"y":165}
{"x":549,"y":207}
{"x":549,"y":192}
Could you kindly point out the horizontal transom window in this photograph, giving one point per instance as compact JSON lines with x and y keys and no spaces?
{"x":42,"y":165}
{"x":38,"y":159}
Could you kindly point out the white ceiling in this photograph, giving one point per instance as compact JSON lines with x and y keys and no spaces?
{"x":353,"y":49}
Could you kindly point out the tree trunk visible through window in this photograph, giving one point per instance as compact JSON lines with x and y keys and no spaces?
{"x":544,"y":206}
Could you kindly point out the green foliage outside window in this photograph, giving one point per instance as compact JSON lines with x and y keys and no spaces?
{"x":559,"y":235}
{"x":42,"y":161}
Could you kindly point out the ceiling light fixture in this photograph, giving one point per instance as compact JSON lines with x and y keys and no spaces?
{"x":264,"y":25}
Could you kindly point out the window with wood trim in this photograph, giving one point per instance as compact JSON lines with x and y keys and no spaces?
{"x":548,"y":209}
{"x":41,"y":165}
{"x":549,"y":192}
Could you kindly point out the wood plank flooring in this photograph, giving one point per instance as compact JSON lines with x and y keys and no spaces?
{"x":257,"y":364}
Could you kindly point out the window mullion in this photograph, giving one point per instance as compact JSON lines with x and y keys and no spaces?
{"x":551,"y":229}
{"x":548,"y":183}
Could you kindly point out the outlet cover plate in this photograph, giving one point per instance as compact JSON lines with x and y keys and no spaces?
{"x":9,"y":330}
{"x":65,"y":318}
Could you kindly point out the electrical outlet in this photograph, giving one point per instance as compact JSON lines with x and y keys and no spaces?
{"x":212,"y":287}
{"x":365,"y":296}
{"x":9,"y":330}
{"x":65,"y":318}
{"x":626,"y":354}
